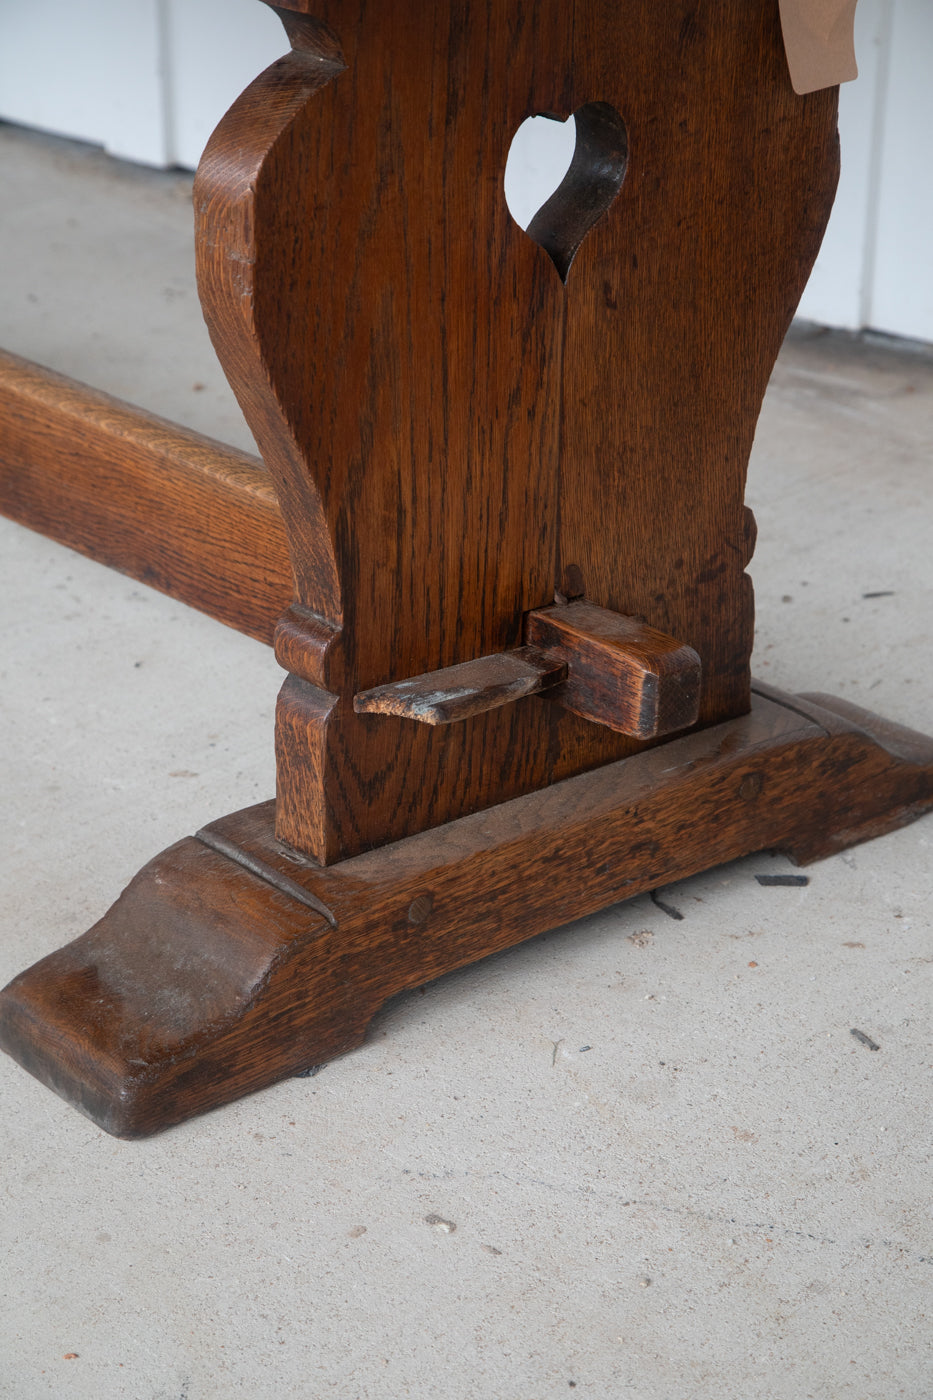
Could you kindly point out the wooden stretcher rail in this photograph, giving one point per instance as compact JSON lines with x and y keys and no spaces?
{"x":178,"y":511}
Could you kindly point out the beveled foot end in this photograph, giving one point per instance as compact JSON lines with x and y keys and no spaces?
{"x":195,"y":988}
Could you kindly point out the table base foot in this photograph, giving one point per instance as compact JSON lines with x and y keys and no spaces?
{"x":231,"y":962}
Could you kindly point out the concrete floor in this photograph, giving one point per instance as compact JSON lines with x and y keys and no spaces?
{"x":666,"y":1167}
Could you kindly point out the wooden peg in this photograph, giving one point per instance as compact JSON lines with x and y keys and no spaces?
{"x":620,"y":672}
{"x":612,"y":670}
{"x":459,"y":692}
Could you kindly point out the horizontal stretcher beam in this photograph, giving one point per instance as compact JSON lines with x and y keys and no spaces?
{"x":178,"y":511}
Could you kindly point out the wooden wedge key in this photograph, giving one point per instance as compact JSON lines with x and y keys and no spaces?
{"x":509,"y":469}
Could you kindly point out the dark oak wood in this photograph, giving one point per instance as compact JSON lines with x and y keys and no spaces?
{"x":620,"y":672}
{"x":472,"y":688}
{"x":457,"y":433}
{"x":174,"y":509}
{"x":231,"y":962}
{"x":507,"y":464}
{"x":609,"y":669}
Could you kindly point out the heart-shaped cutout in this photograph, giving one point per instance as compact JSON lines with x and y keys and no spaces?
{"x":578,"y":164}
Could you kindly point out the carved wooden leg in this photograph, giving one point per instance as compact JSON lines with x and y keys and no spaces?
{"x":511,"y":472}
{"x":468,"y":425}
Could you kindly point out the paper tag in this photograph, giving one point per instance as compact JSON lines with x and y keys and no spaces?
{"x":820,"y":42}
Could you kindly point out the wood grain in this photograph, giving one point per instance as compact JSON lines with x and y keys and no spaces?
{"x":455,"y":433}
{"x":212,"y":976}
{"x":472,"y":688}
{"x":620,"y":672}
{"x":176,"y":510}
{"x":478,"y":438}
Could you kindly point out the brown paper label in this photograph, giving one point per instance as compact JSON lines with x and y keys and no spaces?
{"x":820,"y":42}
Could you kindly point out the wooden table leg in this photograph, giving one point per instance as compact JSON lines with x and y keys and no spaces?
{"x":510,"y":468}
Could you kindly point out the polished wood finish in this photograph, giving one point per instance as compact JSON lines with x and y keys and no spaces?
{"x":457,"y":433}
{"x":230,"y":962}
{"x":174,"y":509}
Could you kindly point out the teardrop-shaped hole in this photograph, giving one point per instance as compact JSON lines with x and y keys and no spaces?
{"x":582,"y":189}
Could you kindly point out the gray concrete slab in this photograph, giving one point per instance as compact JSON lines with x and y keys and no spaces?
{"x":636,"y":1157}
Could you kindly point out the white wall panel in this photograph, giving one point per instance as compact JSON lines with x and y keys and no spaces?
{"x":88,"y":69}
{"x":901,"y":299}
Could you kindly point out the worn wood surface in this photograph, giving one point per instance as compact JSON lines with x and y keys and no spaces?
{"x":165,"y":505}
{"x":612,"y":670}
{"x":468,"y":428}
{"x":620,"y":673}
{"x":231,"y":962}
{"x":456,"y":433}
{"x":457,"y":693}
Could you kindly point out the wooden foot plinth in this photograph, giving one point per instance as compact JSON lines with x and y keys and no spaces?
{"x":230,"y":962}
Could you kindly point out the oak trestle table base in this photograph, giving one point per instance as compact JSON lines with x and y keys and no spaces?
{"x":497,"y":535}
